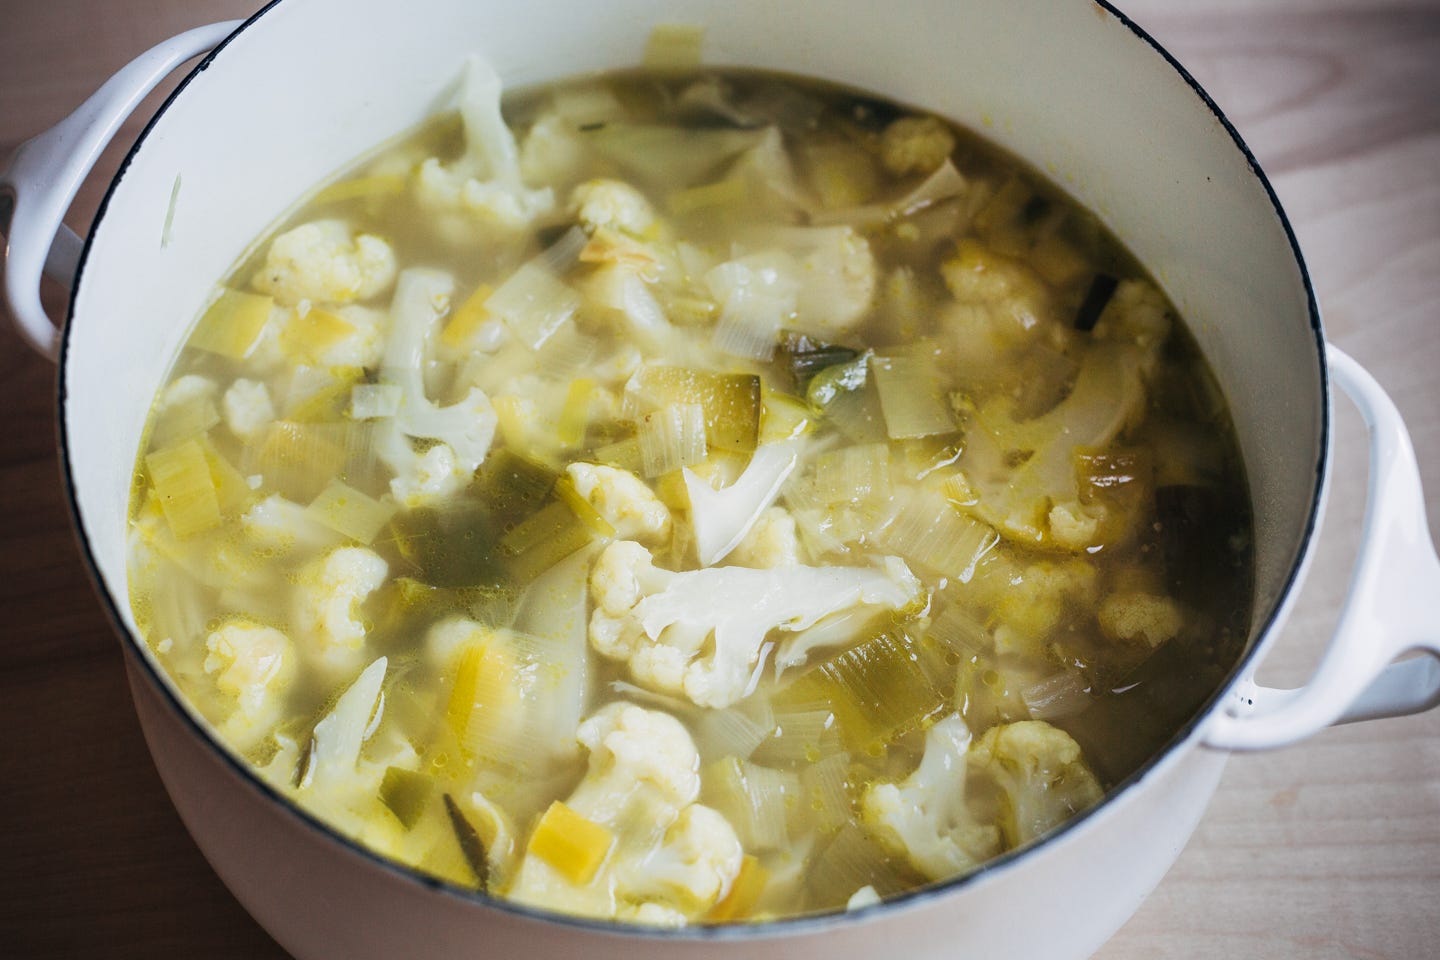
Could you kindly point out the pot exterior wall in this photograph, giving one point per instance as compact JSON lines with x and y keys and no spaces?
{"x":320,"y":900}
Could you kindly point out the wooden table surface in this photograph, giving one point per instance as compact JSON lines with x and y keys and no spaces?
{"x":1326,"y":850}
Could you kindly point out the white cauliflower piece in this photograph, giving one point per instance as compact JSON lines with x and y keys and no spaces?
{"x":1039,"y":774}
{"x":1022,"y":468}
{"x":464,"y":430}
{"x":283,"y":525}
{"x":334,"y":762}
{"x":1011,"y":296}
{"x":1137,"y":314}
{"x":613,"y":204}
{"x":248,"y":409}
{"x":186,"y":407}
{"x":325,"y":262}
{"x":360,"y":346}
{"x":774,"y":541}
{"x":487,"y":202}
{"x":189,"y":389}
{"x":1138,"y":617}
{"x":926,"y":818}
{"x":671,"y":858}
{"x":722,"y":518}
{"x":253,"y":666}
{"x":625,"y":501}
{"x":327,"y":603}
{"x":552,"y":151}
{"x":837,"y":279}
{"x":484,"y":187}
{"x":915,"y":145}
{"x":421,"y":478}
{"x":266,"y":357}
{"x":1073,"y":525}
{"x":700,"y":632}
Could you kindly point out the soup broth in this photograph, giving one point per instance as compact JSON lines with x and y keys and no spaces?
{"x":691,"y":498}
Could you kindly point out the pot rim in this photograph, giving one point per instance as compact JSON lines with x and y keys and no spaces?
{"x":735,"y":932}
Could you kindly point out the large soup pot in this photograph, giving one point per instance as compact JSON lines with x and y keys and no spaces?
{"x":288,"y":97}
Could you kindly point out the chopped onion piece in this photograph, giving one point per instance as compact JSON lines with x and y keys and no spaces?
{"x":347,"y":511}
{"x":564,"y":253}
{"x":803,"y":733}
{"x":232,"y":325}
{"x":876,"y":689}
{"x":1057,"y":696}
{"x":534,"y":303}
{"x":825,"y":792}
{"x":911,"y":396}
{"x":732,"y":732}
{"x":854,"y":474}
{"x":754,"y":799}
{"x":932,"y":533}
{"x":959,"y":633}
{"x":944,"y":184}
{"x":671,"y":438}
{"x":757,"y":296}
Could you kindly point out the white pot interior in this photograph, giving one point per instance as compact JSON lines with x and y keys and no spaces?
{"x":1070,"y":87}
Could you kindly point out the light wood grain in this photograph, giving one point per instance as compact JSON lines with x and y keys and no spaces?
{"x":1328,"y":850}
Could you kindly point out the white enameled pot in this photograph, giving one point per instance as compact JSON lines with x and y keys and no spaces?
{"x":292,"y":95}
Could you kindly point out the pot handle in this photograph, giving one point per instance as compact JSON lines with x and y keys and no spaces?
{"x":42,"y":176}
{"x":1389,"y":609}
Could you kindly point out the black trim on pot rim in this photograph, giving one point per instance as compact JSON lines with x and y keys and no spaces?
{"x":797,"y":925}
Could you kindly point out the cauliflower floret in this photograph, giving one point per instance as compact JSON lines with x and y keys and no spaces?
{"x":1040,"y":774}
{"x":1137,"y":314}
{"x":700,"y":632}
{"x":484,"y":187}
{"x":248,"y":409}
{"x":552,"y":151}
{"x":1016,"y":301}
{"x":334,"y":762}
{"x":327,"y":601}
{"x":837,"y":279}
{"x":774,"y":541}
{"x":350,"y":336}
{"x":915,"y":145}
{"x":252,"y":665}
{"x":1136,"y":617}
{"x":423,"y":478}
{"x":1073,"y":526}
{"x":721,"y":518}
{"x":485,"y":201}
{"x":1031,"y":778}
{"x":671,"y":859}
{"x":926,"y":817}
{"x":1137,"y":311}
{"x":1021,"y":468}
{"x":463,"y":430}
{"x":185,"y":408}
{"x":614,"y":204}
{"x":625,"y":501}
{"x":326,"y":262}
{"x":186,"y":390}
{"x":267,"y":357}
{"x":283,"y":525}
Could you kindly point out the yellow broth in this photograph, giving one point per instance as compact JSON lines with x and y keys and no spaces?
{"x":983,"y":486}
